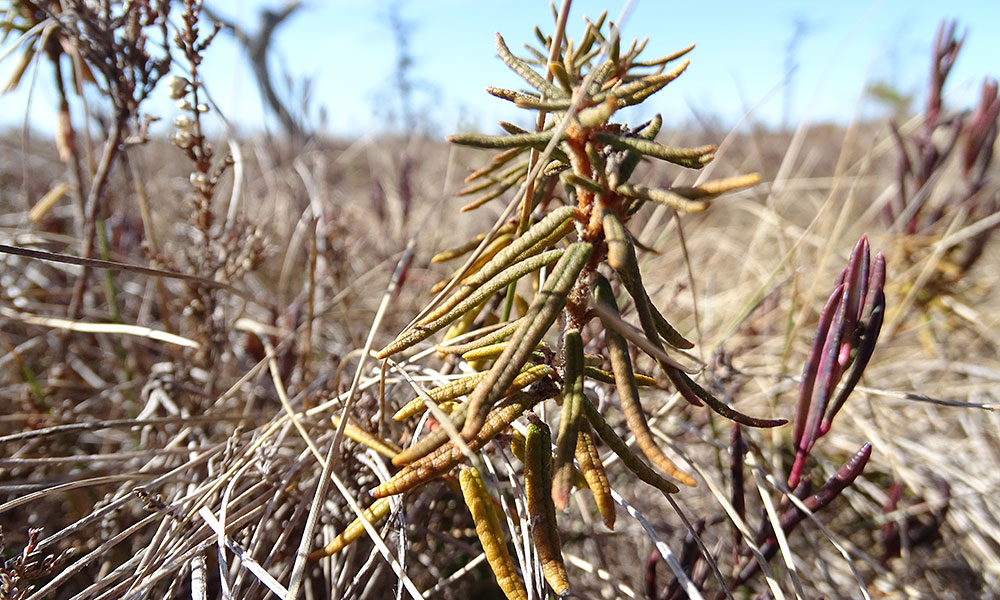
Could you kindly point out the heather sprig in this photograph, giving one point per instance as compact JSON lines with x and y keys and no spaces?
{"x":592,"y":158}
{"x":575,"y":204}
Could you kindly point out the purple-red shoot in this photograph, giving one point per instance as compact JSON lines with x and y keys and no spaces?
{"x":654,"y":558}
{"x":918,"y":529}
{"x":923,"y":154}
{"x":981,"y":133}
{"x":845,"y":340}
{"x":793,"y":515}
{"x":977,"y":156}
{"x":943,"y":55}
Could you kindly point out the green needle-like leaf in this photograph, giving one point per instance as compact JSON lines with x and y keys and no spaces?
{"x":602,"y":74}
{"x":442,"y":457}
{"x":541,"y":511}
{"x":526,"y":72}
{"x":632,"y":157}
{"x":609,"y":377}
{"x":512,"y":128}
{"x":619,"y":447}
{"x":691,"y":390}
{"x":537,"y":141}
{"x":463,"y":386}
{"x":509,"y":95}
{"x":457,"y":251}
{"x":543,"y":39}
{"x":547,"y":105}
{"x":519,"y":249}
{"x":715,"y":187}
{"x":590,"y":33}
{"x":617,"y":240}
{"x":621,"y":258}
{"x":562,"y":481}
{"x":421,"y":332}
{"x":694,"y":158}
{"x":664,"y":60}
{"x":550,"y":240}
{"x":495,"y":350}
{"x":433,"y":441}
{"x":498,"y":161}
{"x":507,"y":178}
{"x":541,"y":315}
{"x":491,"y":338}
{"x":628,"y":392}
{"x":518,"y":173}
{"x":662,"y":196}
{"x":597,"y":115}
{"x":571,"y":178}
{"x":636,"y":91}
{"x":559,"y":72}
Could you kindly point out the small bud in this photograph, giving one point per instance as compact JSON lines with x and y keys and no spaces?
{"x":178,"y":87}
{"x":199,"y":180}
{"x":183,"y":122}
{"x":182,"y":139}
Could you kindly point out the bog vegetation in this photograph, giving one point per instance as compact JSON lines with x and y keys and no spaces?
{"x":239,"y":368}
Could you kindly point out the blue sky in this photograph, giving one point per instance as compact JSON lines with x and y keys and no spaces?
{"x":348,"y":51}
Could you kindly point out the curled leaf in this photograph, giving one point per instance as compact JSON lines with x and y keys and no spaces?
{"x":541,"y":510}
{"x":593,"y":471}
{"x":422,"y":331}
{"x":628,"y":394}
{"x":619,"y":447}
{"x":480,"y":504}
{"x":569,"y":421}
{"x":373,"y":514}
{"x":694,"y":158}
{"x":448,"y":456}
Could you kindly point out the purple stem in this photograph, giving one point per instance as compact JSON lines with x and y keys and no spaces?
{"x":844,"y":476}
{"x":812,"y":365}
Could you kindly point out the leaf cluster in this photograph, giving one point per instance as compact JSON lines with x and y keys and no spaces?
{"x":558,"y":264}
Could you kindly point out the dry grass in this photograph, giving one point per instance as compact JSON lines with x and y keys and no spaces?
{"x":123,"y":451}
